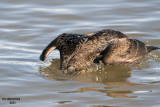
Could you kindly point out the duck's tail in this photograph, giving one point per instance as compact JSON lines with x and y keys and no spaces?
{"x":152,"y":48}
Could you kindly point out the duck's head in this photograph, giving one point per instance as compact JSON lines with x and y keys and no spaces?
{"x":53,"y":45}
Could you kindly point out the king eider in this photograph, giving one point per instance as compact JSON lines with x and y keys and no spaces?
{"x":78,"y":51}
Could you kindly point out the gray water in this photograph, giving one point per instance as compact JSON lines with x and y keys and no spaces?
{"x":27,"y":26}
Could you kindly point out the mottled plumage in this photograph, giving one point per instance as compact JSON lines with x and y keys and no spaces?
{"x":124,"y":50}
{"x":90,"y":47}
{"x":78,"y":51}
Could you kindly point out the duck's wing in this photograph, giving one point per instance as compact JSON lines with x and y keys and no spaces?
{"x":108,"y":34}
{"x":125,"y":51}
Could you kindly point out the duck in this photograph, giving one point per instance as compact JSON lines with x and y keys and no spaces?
{"x":79,"y":51}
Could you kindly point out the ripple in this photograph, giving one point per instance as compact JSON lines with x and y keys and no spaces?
{"x":139,"y":19}
{"x":27,"y":26}
{"x":55,"y":10}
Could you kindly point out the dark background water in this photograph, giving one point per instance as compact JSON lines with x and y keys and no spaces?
{"x":27,"y":26}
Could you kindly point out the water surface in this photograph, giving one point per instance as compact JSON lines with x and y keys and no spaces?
{"x":27,"y":26}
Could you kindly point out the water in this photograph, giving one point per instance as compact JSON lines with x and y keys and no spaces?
{"x":27,"y":26}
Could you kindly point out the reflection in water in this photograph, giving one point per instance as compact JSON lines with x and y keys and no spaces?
{"x":114,"y":77}
{"x":62,"y":102}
